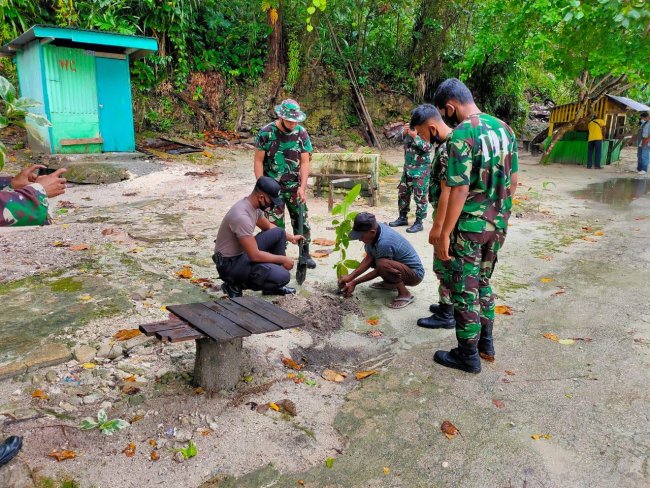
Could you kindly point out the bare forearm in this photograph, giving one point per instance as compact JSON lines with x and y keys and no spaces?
{"x":457,"y":198}
{"x":367,"y":277}
{"x":305,"y":168}
{"x":362,"y":268}
{"x":514,"y":180}
{"x":266,"y":257}
{"x":258,"y":164}
{"x":441,"y":209}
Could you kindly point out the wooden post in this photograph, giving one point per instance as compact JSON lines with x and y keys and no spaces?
{"x":218,"y":364}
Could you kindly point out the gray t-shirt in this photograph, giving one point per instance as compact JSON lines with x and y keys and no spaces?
{"x":239,"y":221}
{"x":392,"y":245}
{"x":644,"y":131}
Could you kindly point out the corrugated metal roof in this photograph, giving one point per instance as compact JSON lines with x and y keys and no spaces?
{"x":137,"y":46}
{"x":629,"y":103}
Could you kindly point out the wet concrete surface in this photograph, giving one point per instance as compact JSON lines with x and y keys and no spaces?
{"x":618,"y":192}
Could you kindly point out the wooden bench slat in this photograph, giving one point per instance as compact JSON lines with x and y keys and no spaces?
{"x":243,"y":317}
{"x":279,"y":317}
{"x":202,"y":318}
{"x":227,"y":322}
{"x":179,"y":335}
{"x":152,"y":328}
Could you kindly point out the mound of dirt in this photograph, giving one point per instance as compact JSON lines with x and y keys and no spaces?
{"x":322,"y":312}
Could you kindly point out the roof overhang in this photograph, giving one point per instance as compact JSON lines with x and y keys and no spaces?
{"x":629,"y":103}
{"x":133,"y":46}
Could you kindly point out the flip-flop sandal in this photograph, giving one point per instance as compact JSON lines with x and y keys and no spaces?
{"x":381,"y":285}
{"x":401,"y":302}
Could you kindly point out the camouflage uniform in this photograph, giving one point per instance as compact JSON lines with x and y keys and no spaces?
{"x":26,"y":206}
{"x":442,"y":269}
{"x":483,"y":155}
{"x":282,"y":163}
{"x":415,"y":178}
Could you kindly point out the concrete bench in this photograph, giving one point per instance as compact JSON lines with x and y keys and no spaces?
{"x":218,"y":328}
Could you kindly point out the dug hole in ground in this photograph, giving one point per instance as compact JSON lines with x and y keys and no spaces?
{"x":565,"y":404}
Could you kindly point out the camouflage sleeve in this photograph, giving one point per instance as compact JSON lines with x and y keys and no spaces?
{"x":421,"y":145}
{"x":459,"y":162}
{"x":305,"y":142}
{"x":444,"y":161}
{"x":27,"y":206}
{"x":5,"y":183}
{"x":514,"y":164}
{"x":261,"y":140}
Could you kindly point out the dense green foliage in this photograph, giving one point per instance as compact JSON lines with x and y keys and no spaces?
{"x":510,"y":52}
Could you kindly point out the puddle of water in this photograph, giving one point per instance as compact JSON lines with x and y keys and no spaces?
{"x":618,"y":193}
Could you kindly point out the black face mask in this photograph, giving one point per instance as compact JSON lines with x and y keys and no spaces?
{"x":266,"y":206}
{"x":450,"y":120}
{"x":434,"y":137}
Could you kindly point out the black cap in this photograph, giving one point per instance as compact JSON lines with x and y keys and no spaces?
{"x":271,"y":187}
{"x":644,"y":114}
{"x":363,"y":222}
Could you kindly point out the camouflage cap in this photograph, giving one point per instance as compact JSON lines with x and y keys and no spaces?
{"x":290,"y":110}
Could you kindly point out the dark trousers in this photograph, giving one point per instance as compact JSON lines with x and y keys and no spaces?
{"x":394,"y":272}
{"x":241,"y":271}
{"x":597,"y":147}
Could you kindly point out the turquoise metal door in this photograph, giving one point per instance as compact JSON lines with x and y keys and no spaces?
{"x":115,"y":108}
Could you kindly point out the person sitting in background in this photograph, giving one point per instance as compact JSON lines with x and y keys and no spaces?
{"x":393,"y":258}
{"x":256,"y":262}
{"x":24,"y":197}
{"x":595,"y":143}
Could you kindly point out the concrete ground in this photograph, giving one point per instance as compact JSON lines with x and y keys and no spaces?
{"x":547,"y":413}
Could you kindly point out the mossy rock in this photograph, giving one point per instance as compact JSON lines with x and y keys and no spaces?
{"x":95,"y":173}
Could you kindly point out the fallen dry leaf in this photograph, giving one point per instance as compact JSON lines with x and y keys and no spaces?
{"x":290,"y":363}
{"x":301,"y":482}
{"x":321,"y":253}
{"x":585,"y":339}
{"x":498,"y":403}
{"x":136,"y":418}
{"x":489,"y":358}
{"x":589,"y":239}
{"x":153,"y":442}
{"x":364,"y":374}
{"x":109,"y":231}
{"x":287,"y":406}
{"x":274,"y":406}
{"x":386,"y":470}
{"x":503,"y":310}
{"x":206,"y":432}
{"x":639,"y":218}
{"x":79,"y":247}
{"x":540,"y":436}
{"x":375,"y":333}
{"x":130,"y":378}
{"x":85,"y":297}
{"x":199,"y":391}
{"x":321,"y":241}
{"x":155,"y":455}
{"x":185,"y":273}
{"x":129,"y":450}
{"x":130,"y":389}
{"x":551,"y":337}
{"x":566,"y":342}
{"x":40,"y":394}
{"x":62,"y":455}
{"x":60,"y":244}
{"x":262,"y":408}
{"x":89,"y":366}
{"x":373,"y":321}
{"x":560,"y":291}
{"x":510,"y":373}
{"x":331,"y":375}
{"x":126,"y":334}
{"x":599,"y":233}
{"x":449,"y":429}
{"x":505,"y":380}
{"x":546,"y":280}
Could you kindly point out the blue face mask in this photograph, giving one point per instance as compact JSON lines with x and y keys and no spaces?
{"x":434,"y":137}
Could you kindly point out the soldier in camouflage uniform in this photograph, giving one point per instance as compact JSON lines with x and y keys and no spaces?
{"x":415,"y":179}
{"x":283,"y":152}
{"x":24,"y":198}
{"x":482,"y":174}
{"x":431,"y":128}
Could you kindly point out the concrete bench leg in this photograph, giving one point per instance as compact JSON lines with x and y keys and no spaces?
{"x":218,"y":364}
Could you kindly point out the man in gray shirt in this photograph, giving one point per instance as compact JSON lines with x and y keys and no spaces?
{"x":245,"y":260}
{"x":393,"y":258}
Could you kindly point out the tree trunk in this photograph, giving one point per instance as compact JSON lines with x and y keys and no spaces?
{"x":218,"y":364}
{"x":276,"y":44}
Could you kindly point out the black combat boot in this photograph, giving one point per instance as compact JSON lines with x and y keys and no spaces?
{"x":402,"y":220}
{"x":486,"y":342}
{"x":416,"y":227}
{"x":283,"y":290}
{"x":434,"y":307}
{"x":311,"y":264}
{"x":232,"y":290}
{"x":464,"y":357}
{"x":9,"y":448}
{"x":442,"y":319}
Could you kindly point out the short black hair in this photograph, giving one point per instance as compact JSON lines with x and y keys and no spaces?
{"x":422,"y":113}
{"x":644,"y":114}
{"x":452,"y":89}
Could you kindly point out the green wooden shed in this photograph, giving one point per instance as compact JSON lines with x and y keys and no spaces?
{"x":82,"y":79}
